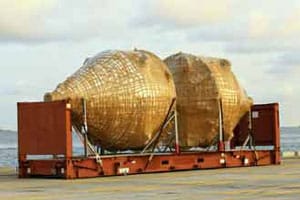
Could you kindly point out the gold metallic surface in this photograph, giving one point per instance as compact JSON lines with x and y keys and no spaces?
{"x":200,"y":84}
{"x":128,"y":94}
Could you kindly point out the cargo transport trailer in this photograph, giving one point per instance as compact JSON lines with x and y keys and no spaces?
{"x":45,"y":145}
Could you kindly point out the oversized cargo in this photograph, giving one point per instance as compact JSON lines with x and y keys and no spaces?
{"x":127,"y":94}
{"x":204,"y":86}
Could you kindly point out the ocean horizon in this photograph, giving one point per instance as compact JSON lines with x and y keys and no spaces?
{"x":289,"y":139}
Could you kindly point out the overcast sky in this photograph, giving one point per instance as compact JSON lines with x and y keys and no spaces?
{"x":44,"y":41}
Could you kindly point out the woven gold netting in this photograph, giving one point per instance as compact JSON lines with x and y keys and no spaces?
{"x":200,"y":84}
{"x":128,"y":94}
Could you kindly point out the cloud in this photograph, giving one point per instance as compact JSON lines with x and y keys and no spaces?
{"x":178,"y":13}
{"x":38,"y":21}
{"x":260,"y":38}
{"x":19,"y":88}
{"x":266,"y":46}
{"x":53,"y":20}
{"x":242,"y":27}
{"x":21,"y":19}
{"x":286,"y":65}
{"x":8,"y":91}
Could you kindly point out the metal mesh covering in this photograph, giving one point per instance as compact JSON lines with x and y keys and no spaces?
{"x":201,"y":84}
{"x":127,"y":93}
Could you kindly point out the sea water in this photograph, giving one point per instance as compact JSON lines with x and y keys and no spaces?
{"x":290,"y":141}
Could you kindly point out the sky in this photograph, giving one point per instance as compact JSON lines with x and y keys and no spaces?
{"x":43,"y":42}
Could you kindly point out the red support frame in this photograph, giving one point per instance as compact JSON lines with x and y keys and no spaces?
{"x":44,"y":128}
{"x":265,"y":128}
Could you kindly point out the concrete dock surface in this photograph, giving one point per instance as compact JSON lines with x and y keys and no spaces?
{"x":267,"y":182}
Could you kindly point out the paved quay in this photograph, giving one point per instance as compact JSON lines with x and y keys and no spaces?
{"x":268,"y":182}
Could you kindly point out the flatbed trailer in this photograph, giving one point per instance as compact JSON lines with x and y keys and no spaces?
{"x":45,"y":129}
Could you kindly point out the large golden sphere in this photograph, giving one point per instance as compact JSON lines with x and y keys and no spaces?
{"x":127,"y":93}
{"x":201,"y":84}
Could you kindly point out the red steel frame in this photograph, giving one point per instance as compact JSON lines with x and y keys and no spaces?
{"x":45,"y":129}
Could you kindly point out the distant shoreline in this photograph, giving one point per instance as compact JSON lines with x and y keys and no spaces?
{"x":15,"y":131}
{"x":7,"y":131}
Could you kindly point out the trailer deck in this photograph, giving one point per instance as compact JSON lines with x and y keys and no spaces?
{"x":45,"y":128}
